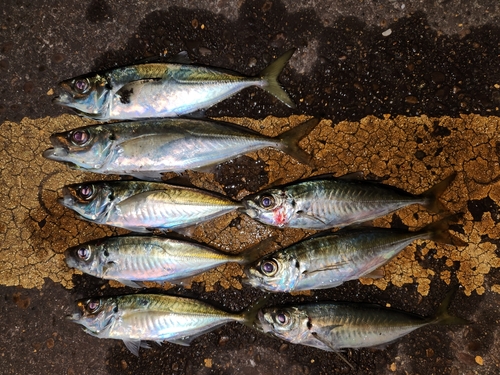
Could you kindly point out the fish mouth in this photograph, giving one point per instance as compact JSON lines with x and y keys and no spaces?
{"x":67,"y":199}
{"x":59,"y":154}
{"x":261,"y":323}
{"x":251,"y":277}
{"x":63,"y":99}
{"x":70,"y":261}
{"x":63,"y":201}
{"x":249,"y":209}
{"x":75,"y":317}
{"x":56,"y":153}
{"x":250,"y":281}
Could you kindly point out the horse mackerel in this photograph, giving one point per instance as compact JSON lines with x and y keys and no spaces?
{"x":324,"y":202}
{"x":132,"y":259}
{"x":332,"y":326}
{"x":139,"y":317}
{"x":329,"y":259}
{"x":146,"y":149}
{"x":142,"y":206}
{"x":153,"y":90}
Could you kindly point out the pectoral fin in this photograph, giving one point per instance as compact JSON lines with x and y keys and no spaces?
{"x":328,"y":267}
{"x":303,"y":214}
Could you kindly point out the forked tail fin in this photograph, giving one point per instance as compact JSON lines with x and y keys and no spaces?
{"x":270,"y":76}
{"x":432,"y":195}
{"x":257,"y":251}
{"x":439,"y":231}
{"x":290,"y":139}
{"x":250,"y":315}
{"x":443,"y":317}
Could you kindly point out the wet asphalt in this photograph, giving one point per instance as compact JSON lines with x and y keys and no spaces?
{"x":440,"y":58}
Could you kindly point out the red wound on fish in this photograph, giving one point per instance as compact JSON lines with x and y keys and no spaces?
{"x":280,"y":217}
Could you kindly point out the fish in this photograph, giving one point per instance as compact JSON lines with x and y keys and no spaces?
{"x":136,"y":318}
{"x":142,"y":206}
{"x":333,"y":326}
{"x":152,"y":90}
{"x":325,"y":202}
{"x":327,"y":260}
{"x":146,"y":149}
{"x":133,"y":259}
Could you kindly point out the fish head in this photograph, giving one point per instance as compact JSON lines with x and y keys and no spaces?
{"x":91,"y":200}
{"x":86,"y":147}
{"x":87,"y":94}
{"x":272,"y":207}
{"x":275,"y":273}
{"x":287,"y":323}
{"x":87,"y":257}
{"x":95,"y":314}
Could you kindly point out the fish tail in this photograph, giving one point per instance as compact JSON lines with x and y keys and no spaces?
{"x":431,"y":196}
{"x":440,"y":232}
{"x":250,"y":316}
{"x":270,"y":77}
{"x":290,"y":139}
{"x":256,"y":251}
{"x":443,"y":317}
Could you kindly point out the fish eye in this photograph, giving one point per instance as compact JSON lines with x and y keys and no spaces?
{"x":81,"y":85}
{"x":269,"y":267}
{"x":282,"y":318}
{"x":83,"y":253}
{"x":93,"y":305}
{"x":266,"y":201}
{"x":80,"y":137}
{"x":86,"y":192}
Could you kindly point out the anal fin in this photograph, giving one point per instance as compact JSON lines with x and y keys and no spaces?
{"x":134,"y":345}
{"x":327,"y":343}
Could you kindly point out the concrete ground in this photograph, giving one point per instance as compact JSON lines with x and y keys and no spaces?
{"x":409,"y":92}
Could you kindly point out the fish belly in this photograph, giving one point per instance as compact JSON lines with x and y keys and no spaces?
{"x":164,"y":325}
{"x":155,"y":210}
{"x":328,"y":212}
{"x":170,"y":98}
{"x":160,"y":154}
{"x":365,"y":337}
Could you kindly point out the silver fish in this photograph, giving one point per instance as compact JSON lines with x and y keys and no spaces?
{"x":151,"y":317}
{"x":142,"y":206}
{"x":326,"y":202}
{"x":326,"y":261}
{"x":146,"y":149}
{"x":162,"y":89}
{"x":132,"y":259}
{"x":333,"y":326}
